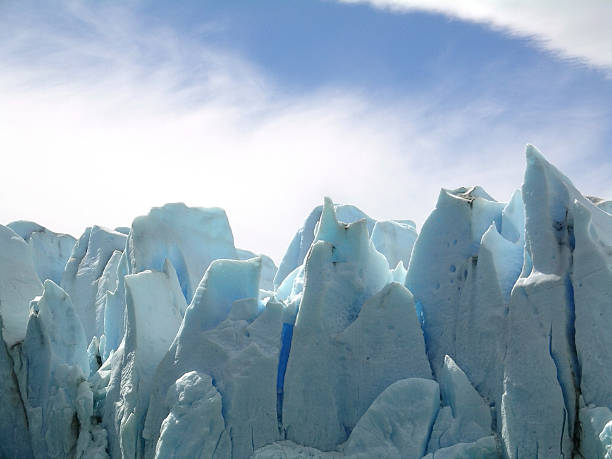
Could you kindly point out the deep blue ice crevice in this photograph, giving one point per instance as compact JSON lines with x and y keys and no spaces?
{"x":286,"y":337}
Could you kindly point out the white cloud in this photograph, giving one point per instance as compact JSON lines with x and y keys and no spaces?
{"x":576,"y":29}
{"x":96,"y":128}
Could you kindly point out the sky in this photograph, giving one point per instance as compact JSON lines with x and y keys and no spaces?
{"x":263,"y":108}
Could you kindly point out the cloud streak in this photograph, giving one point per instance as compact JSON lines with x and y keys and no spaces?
{"x":104,"y":119}
{"x":571,"y":29}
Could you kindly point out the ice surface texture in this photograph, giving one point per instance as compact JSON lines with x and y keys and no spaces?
{"x":485,"y":336}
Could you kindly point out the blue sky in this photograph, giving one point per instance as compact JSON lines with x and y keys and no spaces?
{"x":265,"y":107}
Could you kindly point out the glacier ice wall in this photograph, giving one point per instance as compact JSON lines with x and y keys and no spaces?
{"x":485,"y":335}
{"x":84,"y":270}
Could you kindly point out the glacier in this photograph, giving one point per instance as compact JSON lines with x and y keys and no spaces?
{"x":486,"y":334}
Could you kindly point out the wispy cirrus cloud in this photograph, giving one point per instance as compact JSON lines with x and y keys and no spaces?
{"x":572,"y":29}
{"x":103,"y":118}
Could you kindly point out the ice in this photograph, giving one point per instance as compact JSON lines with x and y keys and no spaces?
{"x":295,"y":255}
{"x":535,"y":415}
{"x":593,"y":421}
{"x":299,"y":246}
{"x":558,"y":314}
{"x":84,"y":269}
{"x":399,"y":273}
{"x":224,"y":283}
{"x":485,"y":336}
{"x":154,"y":305}
{"x":513,"y":219}
{"x":190,"y":237}
{"x":606,"y":206}
{"x":194,"y":402}
{"x":93,"y":355}
{"x":50,"y":250}
{"x":465,"y":417}
{"x":506,"y":258}
{"x":19,"y":284}
{"x":398,"y":423}
{"x":394,"y":240}
{"x":464,"y":265}
{"x":54,"y":366}
{"x":340,"y":351}
{"x":292,"y":286}
{"x":113,"y":301}
{"x":445,"y":253}
{"x":591,"y":280}
{"x":484,"y":448}
{"x":479,"y":319}
{"x":107,"y":282}
{"x":541,"y":349}
{"x":268,"y":268}
{"x":374,"y":350}
{"x":456,"y":283}
{"x":605,"y":437}
{"x":14,"y":435}
{"x":155,"y":308}
{"x":347,"y":213}
{"x":226,"y":334}
{"x":289,"y":450}
{"x":25,"y":228}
